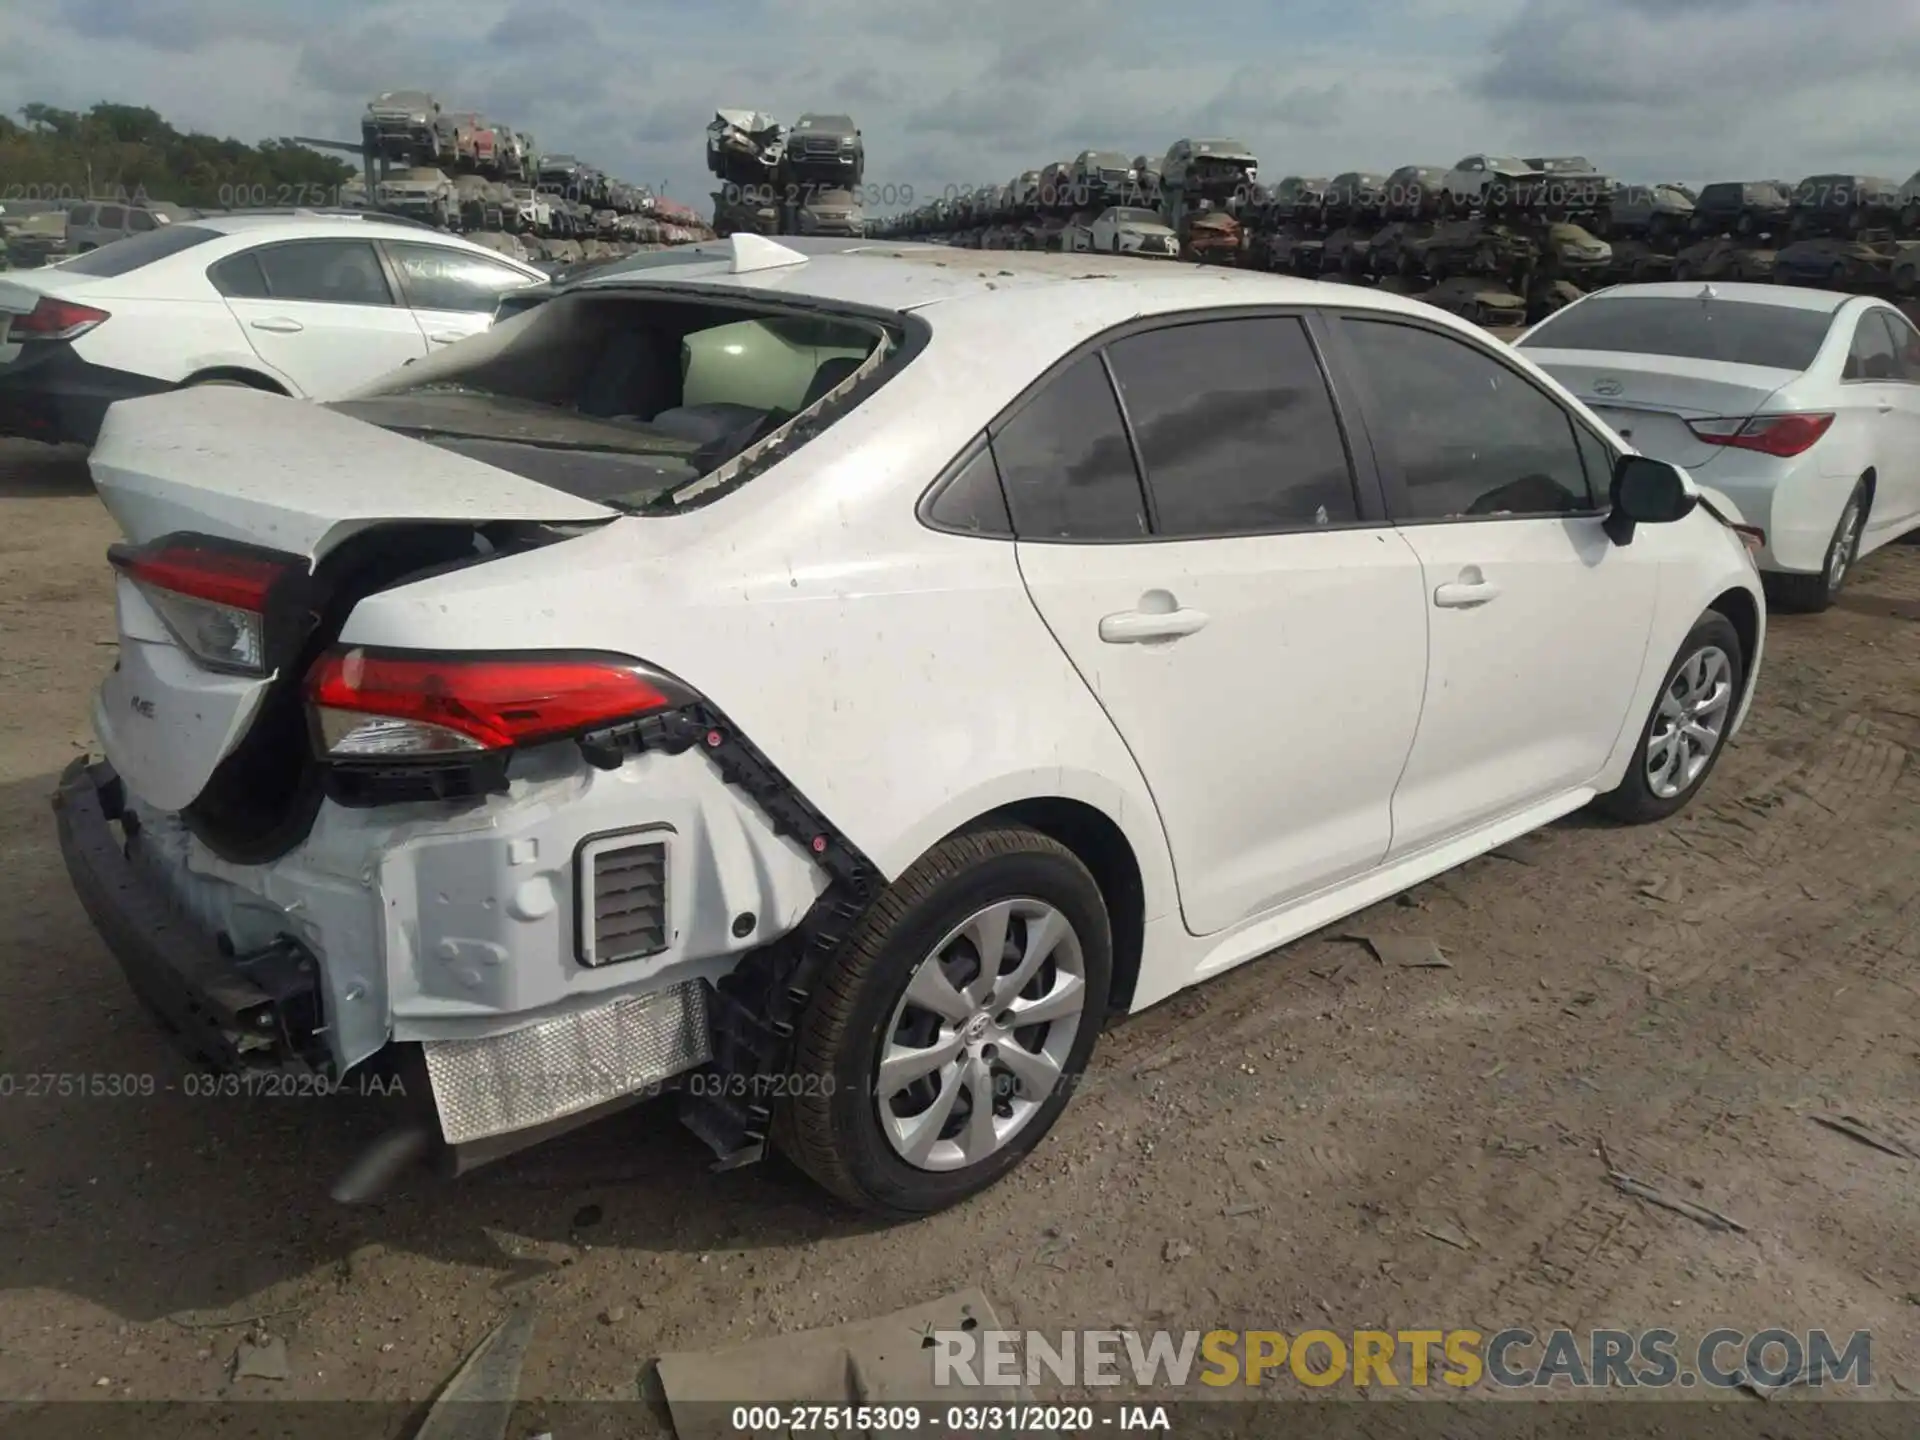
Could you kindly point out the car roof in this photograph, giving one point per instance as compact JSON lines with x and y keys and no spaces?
{"x":1080,"y":293}
{"x":1785,"y":297}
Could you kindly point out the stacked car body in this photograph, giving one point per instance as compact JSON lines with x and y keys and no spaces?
{"x":1499,"y":239}
{"x":776,"y":180}
{"x":461,"y":171}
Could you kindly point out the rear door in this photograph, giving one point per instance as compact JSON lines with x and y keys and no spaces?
{"x":1537,"y":622}
{"x":453,"y":293}
{"x":1900,"y":511}
{"x":323,"y":313}
{"x":1252,"y":627}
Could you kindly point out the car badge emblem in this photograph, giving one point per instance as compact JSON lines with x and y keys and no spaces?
{"x":1608,"y":387}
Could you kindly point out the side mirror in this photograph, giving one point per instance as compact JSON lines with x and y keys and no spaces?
{"x":1646,"y":492}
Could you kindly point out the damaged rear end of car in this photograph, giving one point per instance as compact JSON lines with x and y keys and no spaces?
{"x":323,"y":843}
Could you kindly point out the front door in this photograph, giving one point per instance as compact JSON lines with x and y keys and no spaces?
{"x":1257,"y":639}
{"x":1537,"y":623}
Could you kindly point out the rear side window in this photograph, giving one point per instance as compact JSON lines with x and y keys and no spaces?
{"x":81,"y":215}
{"x":112,"y":217}
{"x":1872,"y":355}
{"x":971,"y":501}
{"x":239,"y":277}
{"x":1066,"y":465}
{"x":1906,"y":341}
{"x":1734,"y":332}
{"x":123,"y":256}
{"x":332,"y":272}
{"x":438,"y":277}
{"x":1236,"y":428}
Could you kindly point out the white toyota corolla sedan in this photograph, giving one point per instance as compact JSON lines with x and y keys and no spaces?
{"x":1801,"y":406}
{"x":835,"y":678}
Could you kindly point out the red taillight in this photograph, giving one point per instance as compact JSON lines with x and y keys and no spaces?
{"x":369,"y":705}
{"x":53,"y":319}
{"x":213,"y":598}
{"x":225,"y":577}
{"x":1783,"y":436}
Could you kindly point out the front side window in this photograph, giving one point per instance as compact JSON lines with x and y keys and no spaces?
{"x":1469,"y":437}
{"x":1065,"y":463}
{"x":1236,"y":428}
{"x":142,"y":220}
{"x":113,"y":217}
{"x":330,"y":272}
{"x":438,"y":277}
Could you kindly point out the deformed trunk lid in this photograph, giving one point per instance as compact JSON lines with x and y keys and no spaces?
{"x":239,"y":464}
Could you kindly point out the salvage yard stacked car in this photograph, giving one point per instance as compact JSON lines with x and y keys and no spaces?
{"x":597,"y":703}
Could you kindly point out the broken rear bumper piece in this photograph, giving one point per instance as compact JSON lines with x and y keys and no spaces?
{"x":239,"y":994}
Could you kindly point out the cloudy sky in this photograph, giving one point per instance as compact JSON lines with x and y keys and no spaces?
{"x":957,"y":93}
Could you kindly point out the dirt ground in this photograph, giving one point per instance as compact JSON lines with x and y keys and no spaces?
{"x":1293,"y":1145}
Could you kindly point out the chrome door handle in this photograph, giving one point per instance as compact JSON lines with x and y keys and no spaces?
{"x":1133,"y":627}
{"x":1465,"y":594}
{"x":279,"y":325}
{"x":445,"y":337}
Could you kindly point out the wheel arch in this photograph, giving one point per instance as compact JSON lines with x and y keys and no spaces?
{"x":239,"y":374}
{"x":1102,"y":846}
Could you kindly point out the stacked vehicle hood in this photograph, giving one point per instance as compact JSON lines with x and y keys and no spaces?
{"x":749,"y":137}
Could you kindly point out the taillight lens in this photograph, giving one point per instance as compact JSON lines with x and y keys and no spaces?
{"x":53,"y":319}
{"x":399,"y":705}
{"x":213,"y":598}
{"x":1783,"y":436}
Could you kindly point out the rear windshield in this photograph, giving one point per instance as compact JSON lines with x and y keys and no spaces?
{"x":646,"y":403}
{"x":1779,"y":337}
{"x":121,"y":257}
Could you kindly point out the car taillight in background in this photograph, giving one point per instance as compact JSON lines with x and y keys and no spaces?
{"x":53,"y":319}
{"x":1782,"y":436}
{"x":214,"y":598}
{"x":370,"y":705}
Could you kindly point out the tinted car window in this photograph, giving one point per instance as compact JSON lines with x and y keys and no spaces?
{"x":1066,"y":465}
{"x":81,"y":215}
{"x":438,"y":277}
{"x":141,"y":221}
{"x":126,"y":255}
{"x":1471,"y":437}
{"x":336,"y":272}
{"x":1236,"y":428}
{"x":1872,"y":355}
{"x":239,"y":277}
{"x":1906,"y":342}
{"x":972,"y":500}
{"x":112,"y":217}
{"x":1737,"y":332}
{"x":1597,"y":459}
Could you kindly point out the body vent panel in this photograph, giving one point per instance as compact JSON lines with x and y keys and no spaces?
{"x":622,"y":885}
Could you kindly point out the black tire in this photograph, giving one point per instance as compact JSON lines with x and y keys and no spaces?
{"x":1633,"y":801}
{"x":832,"y":1131}
{"x":1811,"y":594}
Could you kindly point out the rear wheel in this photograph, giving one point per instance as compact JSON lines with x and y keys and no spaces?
{"x":953,"y":1027}
{"x":1810,"y":594}
{"x":1683,"y":737}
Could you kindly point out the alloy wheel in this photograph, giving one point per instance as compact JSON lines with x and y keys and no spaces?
{"x":980,"y":1037}
{"x":1845,"y":542}
{"x":1690,"y":722}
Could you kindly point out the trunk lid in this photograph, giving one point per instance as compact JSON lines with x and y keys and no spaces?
{"x":1650,"y":398}
{"x":286,"y":475}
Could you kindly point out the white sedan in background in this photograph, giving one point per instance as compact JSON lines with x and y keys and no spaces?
{"x":599,"y":702}
{"x":1801,"y":406}
{"x":305,"y":304}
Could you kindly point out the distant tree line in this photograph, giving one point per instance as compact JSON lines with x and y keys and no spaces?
{"x":129,"y":151}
